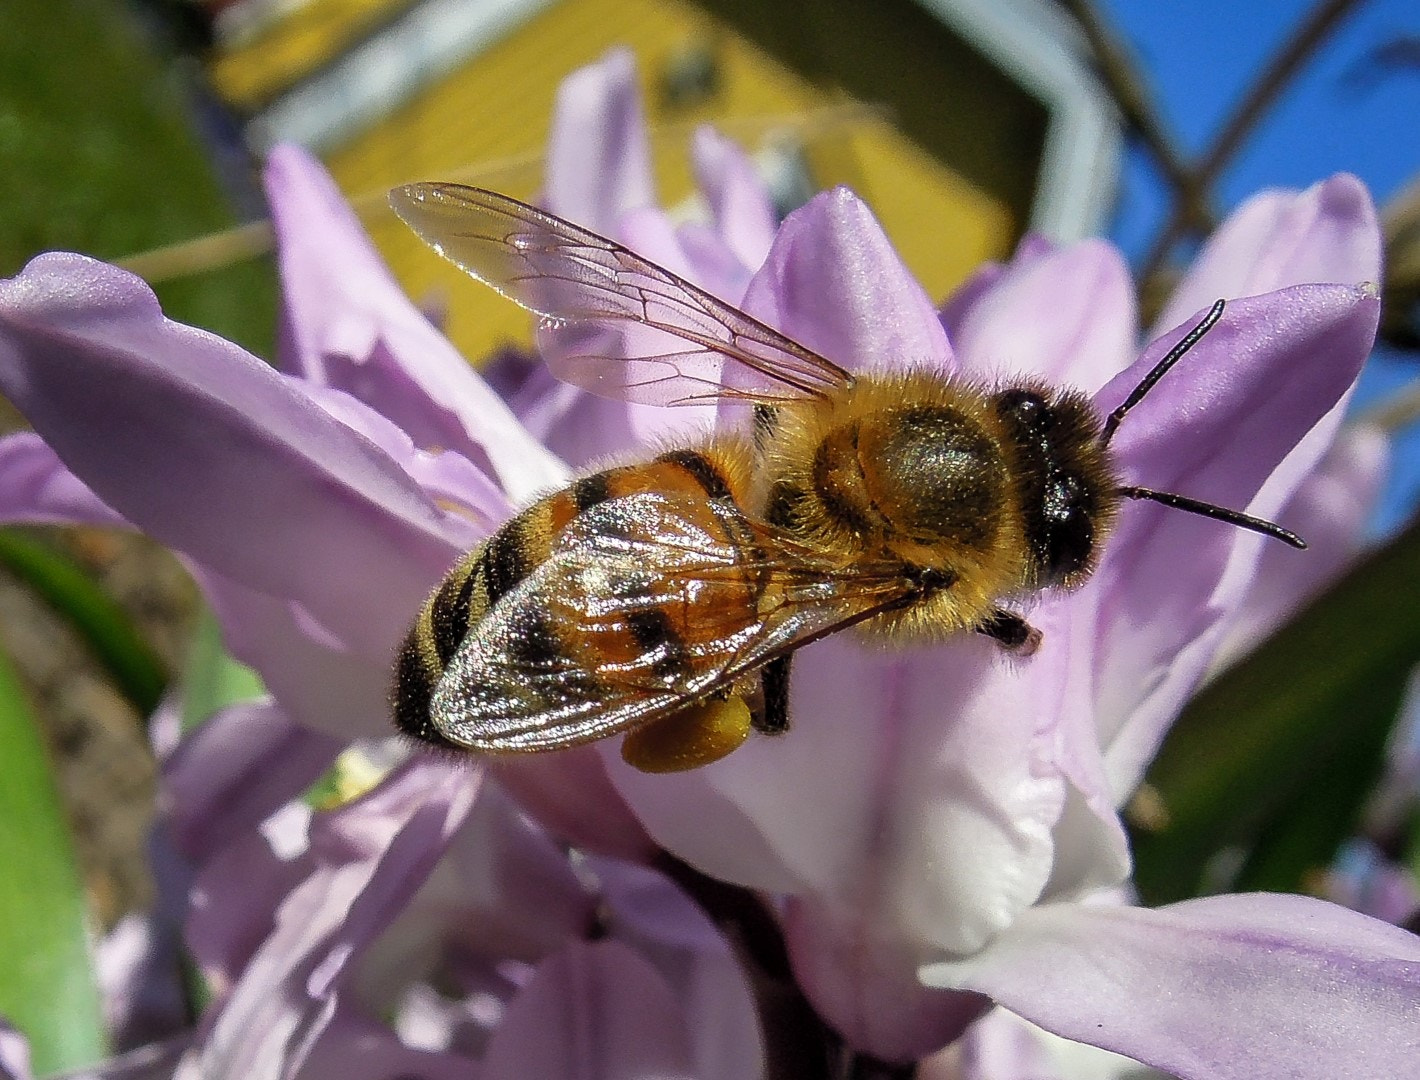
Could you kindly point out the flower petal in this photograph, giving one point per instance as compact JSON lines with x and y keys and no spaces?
{"x":570,"y":793}
{"x":1332,"y":509}
{"x":1218,"y":429}
{"x":1066,"y":316}
{"x":211,"y":452}
{"x":353,"y":1047}
{"x":598,"y":155}
{"x":317,"y":681}
{"x":14,"y":1054}
{"x":352,"y":327}
{"x":740,"y":206}
{"x":36,"y":488}
{"x":503,"y":890}
{"x":833,"y":282}
{"x":593,"y":1011}
{"x":944,"y":794}
{"x":236,"y":770}
{"x":1002,"y":1046}
{"x":864,"y":983}
{"x":664,"y":926}
{"x":369,"y":857}
{"x":1250,"y":987}
{"x":1327,"y":233}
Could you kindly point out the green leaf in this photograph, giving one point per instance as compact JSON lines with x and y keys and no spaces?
{"x":214,"y":679}
{"x":1275,"y":756}
{"x":130,"y":662}
{"x":47,"y":987}
{"x":101,"y":156}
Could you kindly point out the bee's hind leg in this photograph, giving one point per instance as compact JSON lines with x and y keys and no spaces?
{"x":1010,"y":631}
{"x":772,"y":717}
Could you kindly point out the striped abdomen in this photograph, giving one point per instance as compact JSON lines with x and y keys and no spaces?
{"x":488,"y":572}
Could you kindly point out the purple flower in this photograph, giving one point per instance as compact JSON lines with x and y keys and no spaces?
{"x":940,"y":824}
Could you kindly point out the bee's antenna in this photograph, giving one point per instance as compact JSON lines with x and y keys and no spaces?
{"x":1160,"y":369}
{"x":1217,"y":513}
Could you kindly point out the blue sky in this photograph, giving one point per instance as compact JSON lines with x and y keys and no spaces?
{"x":1344,"y":112}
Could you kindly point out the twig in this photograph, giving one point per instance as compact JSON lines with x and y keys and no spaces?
{"x":1305,"y":40}
{"x":1131,"y":93}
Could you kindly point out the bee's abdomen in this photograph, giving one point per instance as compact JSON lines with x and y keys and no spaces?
{"x":490,"y":571}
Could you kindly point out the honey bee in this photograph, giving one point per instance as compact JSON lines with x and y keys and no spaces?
{"x":665,"y":599}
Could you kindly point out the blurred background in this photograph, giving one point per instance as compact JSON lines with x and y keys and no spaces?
{"x":134,"y":130}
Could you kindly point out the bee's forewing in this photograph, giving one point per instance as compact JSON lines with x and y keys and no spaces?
{"x":614,"y":323}
{"x":548,"y":666}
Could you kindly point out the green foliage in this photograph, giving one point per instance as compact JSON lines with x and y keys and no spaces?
{"x":213,"y":679}
{"x":100,"y":156}
{"x":104,"y":626}
{"x":47,"y":985}
{"x":1270,"y":766}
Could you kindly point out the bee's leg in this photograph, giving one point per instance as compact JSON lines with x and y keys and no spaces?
{"x":1010,"y":631}
{"x":773,"y":717}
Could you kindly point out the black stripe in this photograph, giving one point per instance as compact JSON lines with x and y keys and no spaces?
{"x":413,"y":693}
{"x":591,"y":490}
{"x":702,"y":469}
{"x":782,"y":509}
{"x":449,"y":614}
{"x":653,"y":631}
{"x":503,"y":564}
{"x":534,"y":644}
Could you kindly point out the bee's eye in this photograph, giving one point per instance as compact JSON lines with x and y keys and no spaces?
{"x":1024,"y":406}
{"x":1069,"y":531}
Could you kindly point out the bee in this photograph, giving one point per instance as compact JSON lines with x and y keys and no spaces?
{"x":665,"y":599}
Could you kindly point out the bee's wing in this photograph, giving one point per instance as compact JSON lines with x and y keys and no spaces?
{"x":614,"y":323}
{"x":588,"y":644}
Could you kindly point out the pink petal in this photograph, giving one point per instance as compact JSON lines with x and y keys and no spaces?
{"x":236,"y":770}
{"x":14,"y":1054}
{"x":36,"y":488}
{"x":1250,"y":987}
{"x":353,"y":328}
{"x":834,"y":283}
{"x":355,"y":1048}
{"x":1331,"y":509}
{"x":1066,"y":316}
{"x":668,"y":929}
{"x":864,"y":983}
{"x":211,"y":452}
{"x":571,"y":795}
{"x":740,"y":206}
{"x":598,"y":157}
{"x":1220,"y":427}
{"x":139,"y":973}
{"x":958,"y":307}
{"x":317,"y":681}
{"x":1002,"y":1046}
{"x":369,"y":857}
{"x":503,"y":890}
{"x":591,"y":1012}
{"x":944,"y":793}
{"x":1328,"y":233}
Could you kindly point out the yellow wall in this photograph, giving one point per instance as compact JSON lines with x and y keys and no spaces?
{"x":487,"y":123}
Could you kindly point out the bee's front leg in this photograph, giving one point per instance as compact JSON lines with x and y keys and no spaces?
{"x":1010,"y":631}
{"x":772,"y":717}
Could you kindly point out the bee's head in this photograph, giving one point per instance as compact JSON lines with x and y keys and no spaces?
{"x":1066,"y":487}
{"x":1069,"y":492}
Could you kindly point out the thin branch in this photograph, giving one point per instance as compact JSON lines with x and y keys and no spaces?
{"x":1324,"y":18}
{"x":1131,"y":93}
